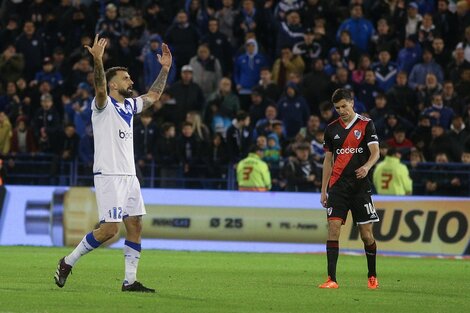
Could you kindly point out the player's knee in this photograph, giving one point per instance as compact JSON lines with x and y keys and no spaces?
{"x":109,"y":230}
{"x":367,"y":237}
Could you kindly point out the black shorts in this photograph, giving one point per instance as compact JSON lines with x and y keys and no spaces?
{"x":361,"y":206}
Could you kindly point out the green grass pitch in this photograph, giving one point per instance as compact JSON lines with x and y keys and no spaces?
{"x":229,"y":282}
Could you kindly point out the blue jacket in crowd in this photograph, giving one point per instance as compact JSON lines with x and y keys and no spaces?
{"x":419,"y":72}
{"x":361,"y":30}
{"x":247,"y":69}
{"x":293,"y":111}
{"x":385,"y":75}
{"x":152,"y":67}
{"x":408,"y":57}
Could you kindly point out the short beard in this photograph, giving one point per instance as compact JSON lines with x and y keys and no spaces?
{"x":126,"y":93}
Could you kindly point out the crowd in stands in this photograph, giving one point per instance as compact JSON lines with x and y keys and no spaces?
{"x":246,"y":72}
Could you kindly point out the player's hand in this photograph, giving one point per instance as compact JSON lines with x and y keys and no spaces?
{"x":97,"y":50}
{"x":362,"y":172}
{"x":323,"y":199}
{"x":165,"y":58}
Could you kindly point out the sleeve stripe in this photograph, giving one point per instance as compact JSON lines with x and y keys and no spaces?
{"x":373,"y":142}
{"x":135,"y":106}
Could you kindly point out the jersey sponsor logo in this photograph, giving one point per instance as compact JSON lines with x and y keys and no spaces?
{"x":349,"y":150}
{"x":336,"y":137}
{"x":125,"y":135}
{"x":357,"y":134}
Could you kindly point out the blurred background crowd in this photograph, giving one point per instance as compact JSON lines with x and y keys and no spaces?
{"x":245,"y":73}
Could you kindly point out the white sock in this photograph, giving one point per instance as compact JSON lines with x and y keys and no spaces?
{"x":87,"y":244}
{"x":131,"y":261}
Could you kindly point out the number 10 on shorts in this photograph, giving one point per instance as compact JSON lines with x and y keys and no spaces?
{"x":115,"y":213}
{"x":369,"y":208}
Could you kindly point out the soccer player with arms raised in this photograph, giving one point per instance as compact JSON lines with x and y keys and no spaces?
{"x":118,"y":192}
{"x":351,"y":149}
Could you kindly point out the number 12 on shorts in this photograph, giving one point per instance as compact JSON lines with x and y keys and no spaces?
{"x":370,"y":208}
{"x":115,"y":213}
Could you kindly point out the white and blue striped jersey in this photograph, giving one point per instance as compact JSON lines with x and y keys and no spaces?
{"x":113,"y":136}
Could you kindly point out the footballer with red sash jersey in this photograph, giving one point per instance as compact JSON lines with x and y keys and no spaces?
{"x":351,"y":149}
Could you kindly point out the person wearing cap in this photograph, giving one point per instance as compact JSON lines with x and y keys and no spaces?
{"x":187,"y":94}
{"x":308,"y":49}
{"x":253,"y":173}
{"x":360,"y":28}
{"x":301,"y":172}
{"x":151,"y":65}
{"x":391,"y":177}
{"x":48,"y":73}
{"x":110,"y":25}
{"x":413,"y":19}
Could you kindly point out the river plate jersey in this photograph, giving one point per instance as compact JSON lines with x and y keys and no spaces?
{"x":349,"y":145}
{"x":113,"y":136}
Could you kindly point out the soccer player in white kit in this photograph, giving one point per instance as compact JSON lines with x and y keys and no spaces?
{"x":118,"y":192}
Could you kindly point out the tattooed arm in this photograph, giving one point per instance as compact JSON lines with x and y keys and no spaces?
{"x":100,"y":80}
{"x":158,"y":85}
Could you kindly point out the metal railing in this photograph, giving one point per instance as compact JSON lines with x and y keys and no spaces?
{"x":46,"y":169}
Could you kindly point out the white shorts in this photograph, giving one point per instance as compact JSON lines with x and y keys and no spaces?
{"x":118,"y":197}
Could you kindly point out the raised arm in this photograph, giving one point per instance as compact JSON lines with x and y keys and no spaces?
{"x":158,"y":85}
{"x":100,"y":79}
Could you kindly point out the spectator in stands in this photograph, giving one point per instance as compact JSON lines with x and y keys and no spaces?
{"x":438,"y":113}
{"x":187,"y":94}
{"x":418,"y":74}
{"x":381,"y":108}
{"x":110,"y":25}
{"x":391,"y":177}
{"x":267,"y":86}
{"x":227,"y":101}
{"x":327,"y":114}
{"x":219,"y":46}
{"x":301,"y":172}
{"x":200,"y":130}
{"x":5,"y":134}
{"x":239,"y":137}
{"x":341,"y":79}
{"x":441,"y":141}
{"x":183,"y":38}
{"x":409,"y":55}
{"x":413,"y":19}
{"x":78,"y":111}
{"x":191,"y":153}
{"x":226,"y":17}
{"x":465,"y":43}
{"x":31,"y":45}
{"x":457,"y":65}
{"x":78,"y":74}
{"x":463,"y":86}
{"x":308,"y":49}
{"x":218,"y":161}
{"x":69,"y":143}
{"x":316,"y":86}
{"x":446,"y":22}
{"x":145,"y":137}
{"x":384,"y":39}
{"x":399,"y":141}
{"x":451,"y":98}
{"x":156,"y":18}
{"x":385,"y":71}
{"x":463,"y":16}
{"x":334,"y":62}
{"x":253,"y":173}
{"x":440,"y":52}
{"x":290,"y":31}
{"x":10,"y":32}
{"x":286,"y":64}
{"x":22,"y":140}
{"x":263,"y":126}
{"x":367,"y":91}
{"x":247,"y":70}
{"x":86,"y":149}
{"x":391,"y":121}
{"x":458,"y":131}
{"x":258,"y":105}
{"x":402,"y":99}
{"x":427,"y":31}
{"x":348,"y":49}
{"x":207,"y":70}
{"x":309,"y":132}
{"x":439,"y":181}
{"x":360,"y":28}
{"x":48,"y":73}
{"x":46,"y":125}
{"x":272,"y":152}
{"x":10,"y":103}
{"x":151,"y":65}
{"x":359,"y":72}
{"x":432,"y":87}
{"x":11,"y":64}
{"x":293,"y":110}
{"x":166,"y":155}
{"x":249,"y":19}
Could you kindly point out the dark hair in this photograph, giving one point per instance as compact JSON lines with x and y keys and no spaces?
{"x":392,"y":151}
{"x":166,"y":126}
{"x":342,"y":94}
{"x":303,"y":145}
{"x":241,"y":115}
{"x":186,"y":124}
{"x":254,"y":149}
{"x":111,"y":72}
{"x":146,"y":113}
